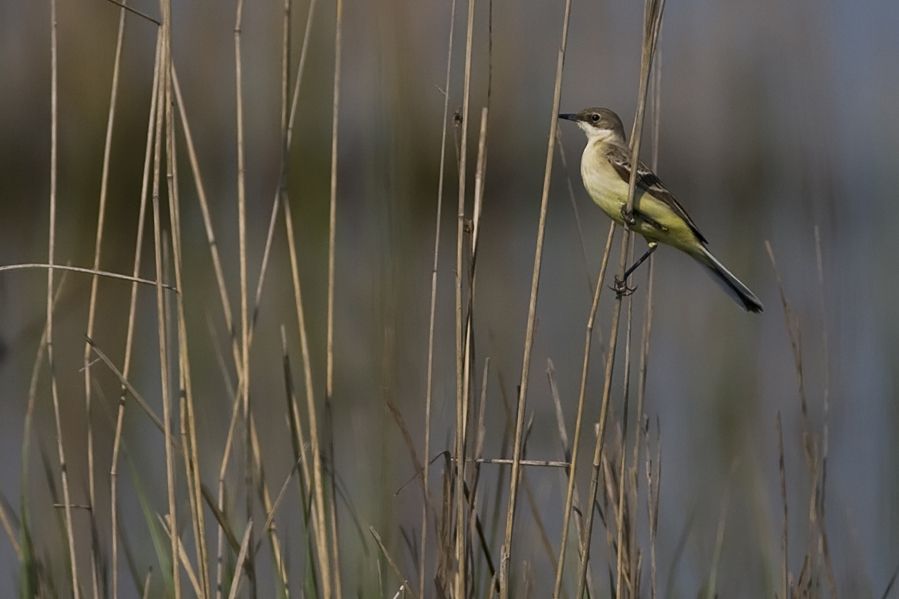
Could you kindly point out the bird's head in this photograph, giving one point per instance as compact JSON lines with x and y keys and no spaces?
{"x":598,"y":124}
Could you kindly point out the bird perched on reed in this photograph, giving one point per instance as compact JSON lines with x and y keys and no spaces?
{"x":657,"y":215}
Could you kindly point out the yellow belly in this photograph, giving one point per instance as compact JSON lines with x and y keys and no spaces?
{"x":609,"y":192}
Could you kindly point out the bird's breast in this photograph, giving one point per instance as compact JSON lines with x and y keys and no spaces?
{"x":603,"y":184}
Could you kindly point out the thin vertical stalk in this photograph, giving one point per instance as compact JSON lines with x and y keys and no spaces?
{"x":160,"y":297}
{"x":281,"y":191}
{"x":582,"y":394}
{"x":623,"y":570}
{"x":332,"y":213}
{"x":648,"y":313}
{"x":318,"y":511}
{"x":331,"y":506}
{"x":652,"y":24}
{"x":51,"y":251}
{"x":244,"y":378}
{"x":186,"y":397}
{"x":429,"y":384}
{"x":505,"y":581}
{"x":92,"y":302}
{"x":132,"y":312}
{"x":459,"y":581}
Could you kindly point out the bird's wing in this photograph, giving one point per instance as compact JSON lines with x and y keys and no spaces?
{"x":650,"y":183}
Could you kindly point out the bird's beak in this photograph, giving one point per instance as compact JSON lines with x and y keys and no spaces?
{"x":568,"y":116}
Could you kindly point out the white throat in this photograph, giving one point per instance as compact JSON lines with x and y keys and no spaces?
{"x":595,"y":134}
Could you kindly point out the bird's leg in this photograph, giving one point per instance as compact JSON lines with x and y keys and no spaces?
{"x":620,"y":286}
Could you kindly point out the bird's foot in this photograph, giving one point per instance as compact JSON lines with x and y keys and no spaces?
{"x":628,"y":216}
{"x":620,"y":288}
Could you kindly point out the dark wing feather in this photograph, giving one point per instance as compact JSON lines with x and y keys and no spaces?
{"x":650,"y":183}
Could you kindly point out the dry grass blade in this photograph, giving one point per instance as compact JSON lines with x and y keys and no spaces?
{"x":792,"y":324}
{"x":273,"y":508}
{"x":390,"y":560}
{"x":785,"y":546}
{"x":89,"y":271}
{"x":183,"y":558}
{"x":532,"y":312}
{"x":241,"y":558}
{"x":269,"y":507}
{"x":134,"y":11}
{"x":126,"y":384}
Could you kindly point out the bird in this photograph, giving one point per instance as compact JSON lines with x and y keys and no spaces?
{"x":657,"y":215}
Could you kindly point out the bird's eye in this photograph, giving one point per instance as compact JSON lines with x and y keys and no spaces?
{"x":594,"y":117}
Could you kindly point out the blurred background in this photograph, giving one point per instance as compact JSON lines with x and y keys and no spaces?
{"x":776,"y":118}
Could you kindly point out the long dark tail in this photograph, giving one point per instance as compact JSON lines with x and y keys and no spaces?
{"x":731,"y":284}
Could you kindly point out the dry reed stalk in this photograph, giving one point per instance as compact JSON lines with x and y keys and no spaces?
{"x":287,"y":137}
{"x":213,"y":246}
{"x":429,"y":383}
{"x":460,"y":539}
{"x":162,"y":324}
{"x":187,"y":418}
{"x":319,"y":510}
{"x":653,"y":482}
{"x":646,"y":334}
{"x":243,"y":386}
{"x":823,"y":544}
{"x":92,"y":302}
{"x":331,"y":506}
{"x":814,"y":448}
{"x":652,"y":25}
{"x":51,"y":252}
{"x":582,"y":394}
{"x":566,"y":452}
{"x":132,"y":312}
{"x":298,"y":443}
{"x":505,"y":554}
{"x":624,"y":568}
{"x":207,"y":219}
{"x":480,"y":433}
